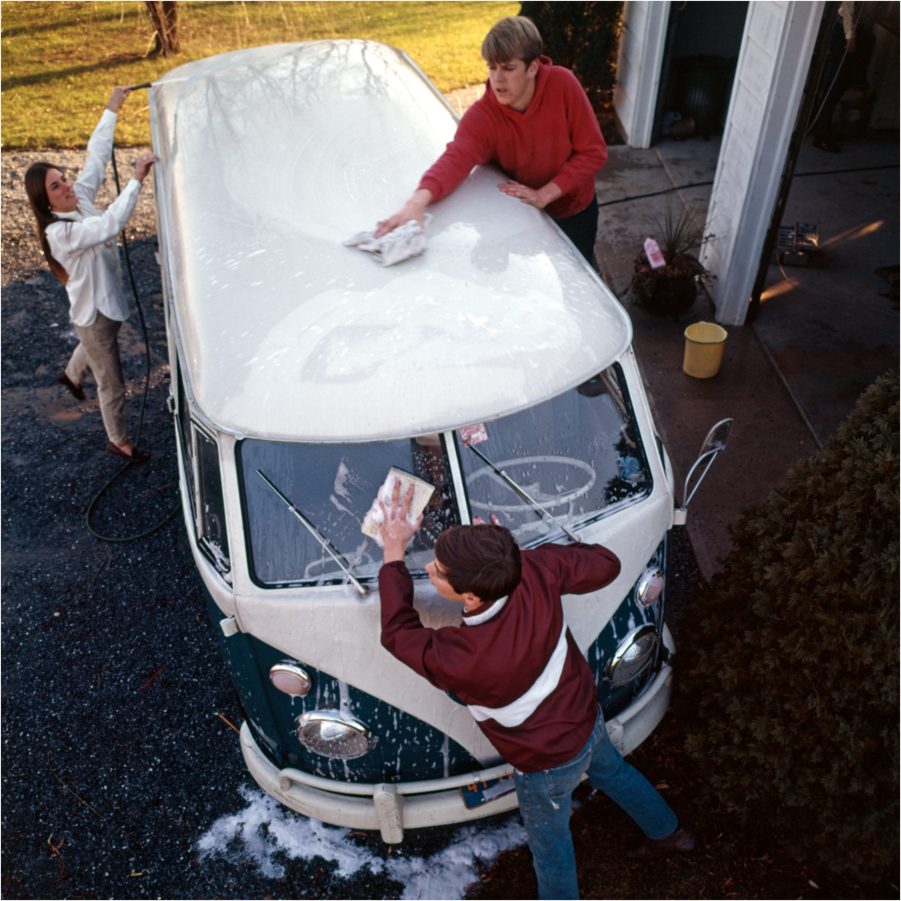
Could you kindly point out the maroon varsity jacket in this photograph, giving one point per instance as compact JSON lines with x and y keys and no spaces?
{"x":513,"y":662}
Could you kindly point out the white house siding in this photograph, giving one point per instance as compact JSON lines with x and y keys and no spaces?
{"x":769,"y":80}
{"x":641,"y":48}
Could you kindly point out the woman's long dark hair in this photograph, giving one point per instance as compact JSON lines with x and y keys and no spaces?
{"x":36,"y":188}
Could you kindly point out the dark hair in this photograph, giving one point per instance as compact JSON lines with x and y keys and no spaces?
{"x":483,"y":559}
{"x":515,"y":37}
{"x":36,"y":189}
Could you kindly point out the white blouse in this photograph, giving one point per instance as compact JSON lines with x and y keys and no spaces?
{"x":84,"y":241}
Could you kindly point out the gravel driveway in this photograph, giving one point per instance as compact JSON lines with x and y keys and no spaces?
{"x":117,"y":750}
{"x":120,"y":763}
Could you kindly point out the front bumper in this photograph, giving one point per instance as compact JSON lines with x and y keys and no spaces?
{"x":392,"y":808}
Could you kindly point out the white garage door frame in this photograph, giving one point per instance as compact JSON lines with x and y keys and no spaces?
{"x":776,"y":49}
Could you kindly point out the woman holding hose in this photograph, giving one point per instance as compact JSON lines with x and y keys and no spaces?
{"x":79,"y":243}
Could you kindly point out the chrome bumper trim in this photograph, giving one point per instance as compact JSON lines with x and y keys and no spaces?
{"x":392,"y":808}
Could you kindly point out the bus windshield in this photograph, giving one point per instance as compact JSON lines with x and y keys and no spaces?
{"x":544,"y":471}
{"x":558,"y":465}
{"x":333,"y":486}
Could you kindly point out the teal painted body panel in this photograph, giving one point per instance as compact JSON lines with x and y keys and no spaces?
{"x":405,"y":748}
{"x":628,"y":616}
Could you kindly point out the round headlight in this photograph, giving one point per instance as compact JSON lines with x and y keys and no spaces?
{"x":634,"y":655}
{"x":650,"y":586}
{"x":290,"y":678}
{"x":329,"y":733}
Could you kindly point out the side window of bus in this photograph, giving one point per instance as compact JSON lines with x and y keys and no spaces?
{"x":201,"y":456}
{"x":210,"y":512}
{"x":183,"y":421}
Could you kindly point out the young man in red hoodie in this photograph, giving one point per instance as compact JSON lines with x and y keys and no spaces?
{"x":536,"y":123}
{"x":516,"y":666}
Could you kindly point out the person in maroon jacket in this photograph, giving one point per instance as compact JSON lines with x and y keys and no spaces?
{"x":536,"y":123}
{"x":516,"y":666}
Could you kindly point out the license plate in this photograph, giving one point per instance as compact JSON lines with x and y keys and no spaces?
{"x":477,"y":793}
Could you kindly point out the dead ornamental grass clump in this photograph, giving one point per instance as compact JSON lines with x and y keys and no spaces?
{"x":671,"y":289}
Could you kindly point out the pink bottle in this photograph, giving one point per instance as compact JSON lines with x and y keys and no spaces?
{"x":654,"y":254}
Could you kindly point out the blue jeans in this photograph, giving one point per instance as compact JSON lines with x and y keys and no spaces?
{"x":545,"y":802}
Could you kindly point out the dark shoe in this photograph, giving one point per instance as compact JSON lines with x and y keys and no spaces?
{"x":67,"y":383}
{"x":136,"y":456}
{"x":827,"y":145}
{"x":680,"y":842}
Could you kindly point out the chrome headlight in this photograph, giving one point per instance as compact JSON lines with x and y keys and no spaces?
{"x":633,"y":656}
{"x":650,"y":586}
{"x":290,"y":678}
{"x":329,"y":733}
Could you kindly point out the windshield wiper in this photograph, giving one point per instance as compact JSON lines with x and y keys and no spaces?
{"x":524,"y":494}
{"x":326,"y":545}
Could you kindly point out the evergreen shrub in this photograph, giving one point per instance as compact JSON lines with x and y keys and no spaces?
{"x":583,"y":37}
{"x":792,"y":675}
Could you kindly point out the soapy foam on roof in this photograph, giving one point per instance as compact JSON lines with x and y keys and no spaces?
{"x":288,"y":150}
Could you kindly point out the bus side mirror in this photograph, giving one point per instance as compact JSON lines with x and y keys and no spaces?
{"x":713,"y":445}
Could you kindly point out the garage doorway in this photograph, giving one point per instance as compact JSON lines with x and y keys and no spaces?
{"x":701,"y":50}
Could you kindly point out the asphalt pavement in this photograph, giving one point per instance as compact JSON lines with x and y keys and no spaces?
{"x":120,"y":753}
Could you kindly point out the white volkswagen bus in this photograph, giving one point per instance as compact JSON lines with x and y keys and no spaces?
{"x":496,"y":366}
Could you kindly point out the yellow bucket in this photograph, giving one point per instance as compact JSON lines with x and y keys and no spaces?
{"x":704,"y":345}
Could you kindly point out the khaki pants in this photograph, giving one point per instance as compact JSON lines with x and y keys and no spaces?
{"x":98,"y":353}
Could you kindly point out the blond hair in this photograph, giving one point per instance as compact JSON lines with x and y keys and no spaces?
{"x":515,"y":37}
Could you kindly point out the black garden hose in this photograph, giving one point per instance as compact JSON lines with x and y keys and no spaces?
{"x":122,"y":469}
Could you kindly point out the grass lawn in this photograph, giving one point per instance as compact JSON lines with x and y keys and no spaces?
{"x":60,"y":60}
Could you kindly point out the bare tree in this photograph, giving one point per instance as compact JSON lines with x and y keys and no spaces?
{"x":164,"y":16}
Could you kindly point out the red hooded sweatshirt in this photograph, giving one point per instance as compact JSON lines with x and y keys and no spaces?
{"x":556,"y":139}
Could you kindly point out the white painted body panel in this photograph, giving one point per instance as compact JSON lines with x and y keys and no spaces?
{"x":338,"y":623}
{"x":288,"y":334}
{"x":279,"y":332}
